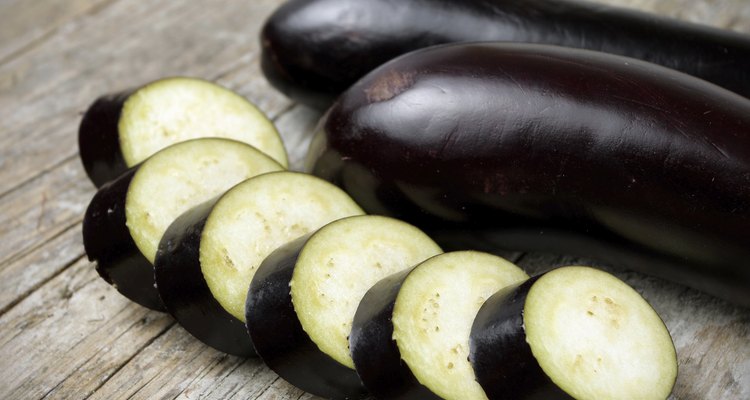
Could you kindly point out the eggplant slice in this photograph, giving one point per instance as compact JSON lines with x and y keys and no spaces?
{"x":127,"y":218}
{"x":574,"y":332}
{"x":433,"y":313}
{"x":209,"y":255}
{"x":302,"y":333}
{"x":121,"y":130}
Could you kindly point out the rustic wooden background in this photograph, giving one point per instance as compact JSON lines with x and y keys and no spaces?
{"x":64,"y":333}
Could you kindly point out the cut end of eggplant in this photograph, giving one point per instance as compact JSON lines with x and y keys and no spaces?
{"x":339,"y":264}
{"x":178,"y":109}
{"x":433,"y":315}
{"x":256,"y":217}
{"x":182,"y":176}
{"x":597,"y":338}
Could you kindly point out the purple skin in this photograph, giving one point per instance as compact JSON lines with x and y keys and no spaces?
{"x":99,"y":139}
{"x":502,"y":359}
{"x":534,"y":147}
{"x":315,"y":49}
{"x":375,"y":354}
{"x":107,"y":241}
{"x":278,"y":336}
{"x":184,"y":291}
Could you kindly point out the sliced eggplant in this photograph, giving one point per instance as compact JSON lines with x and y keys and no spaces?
{"x":209,"y":255}
{"x":304,"y":296}
{"x":551,"y":149}
{"x":120,"y":130}
{"x":127,"y":217}
{"x":574,"y":332}
{"x":427,"y":312}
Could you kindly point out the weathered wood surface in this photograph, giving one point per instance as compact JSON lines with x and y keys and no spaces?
{"x":64,"y":333}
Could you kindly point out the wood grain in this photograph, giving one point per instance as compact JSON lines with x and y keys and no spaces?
{"x":64,"y":333}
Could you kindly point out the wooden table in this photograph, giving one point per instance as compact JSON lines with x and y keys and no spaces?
{"x":64,"y":333}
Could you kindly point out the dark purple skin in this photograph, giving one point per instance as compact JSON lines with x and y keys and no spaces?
{"x":99,"y":139}
{"x":107,"y":241}
{"x":553,"y":149}
{"x":279,"y":339}
{"x":375,"y":353}
{"x":182,"y":288}
{"x":315,"y":49}
{"x":502,"y":359}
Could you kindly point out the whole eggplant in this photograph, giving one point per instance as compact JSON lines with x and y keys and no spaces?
{"x":533,"y":147}
{"x":315,"y":49}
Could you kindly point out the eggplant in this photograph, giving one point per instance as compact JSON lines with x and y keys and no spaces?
{"x":128,"y":216}
{"x":122,"y":129}
{"x":542,"y":148}
{"x":315,"y":49}
{"x":574,"y":332}
{"x":302,"y":300}
{"x":410,"y":336}
{"x":207,"y":257}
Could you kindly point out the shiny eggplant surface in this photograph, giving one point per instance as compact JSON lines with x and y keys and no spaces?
{"x":123,"y":129}
{"x":207,"y":256}
{"x":98,"y":141}
{"x":315,"y":49}
{"x":574,"y":332}
{"x":533,"y":147}
{"x":375,"y":354}
{"x":127,"y":217}
{"x":183,"y":289}
{"x":107,"y":241}
{"x":410,"y":336}
{"x":279,"y":339}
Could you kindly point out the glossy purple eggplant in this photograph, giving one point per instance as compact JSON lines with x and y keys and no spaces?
{"x":127,"y":217}
{"x":532,"y":147}
{"x":207,"y":257}
{"x":574,"y":332}
{"x":502,"y":360}
{"x":375,"y":353}
{"x":108,"y":242}
{"x":184,"y":291}
{"x":98,"y":141}
{"x":279,"y":339}
{"x":315,"y":49}
{"x":123,"y":129}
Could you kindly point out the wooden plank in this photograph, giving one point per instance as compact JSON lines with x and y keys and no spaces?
{"x":65,"y":340}
{"x":43,"y":208}
{"x":74,"y":329}
{"x":177,"y":364}
{"x":127,"y":44}
{"x":24,"y":24}
{"x":712,"y":337}
{"x":27,"y":273}
{"x":729,"y":14}
{"x":49,"y":206}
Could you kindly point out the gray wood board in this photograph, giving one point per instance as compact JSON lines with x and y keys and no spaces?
{"x":64,"y":333}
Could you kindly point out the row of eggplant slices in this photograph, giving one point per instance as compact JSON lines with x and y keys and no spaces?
{"x":217,"y":232}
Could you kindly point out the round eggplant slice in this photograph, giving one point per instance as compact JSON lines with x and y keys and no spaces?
{"x":209,"y":255}
{"x":432,"y":316}
{"x":127,"y":217}
{"x":574,"y":332}
{"x":304,"y":296}
{"x":121,"y":130}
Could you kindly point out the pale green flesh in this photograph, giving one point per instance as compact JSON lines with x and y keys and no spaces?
{"x":173,"y":110}
{"x":433,"y":315}
{"x":597,"y":338}
{"x":256,"y":217}
{"x":339,"y":264}
{"x":182,"y":176}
